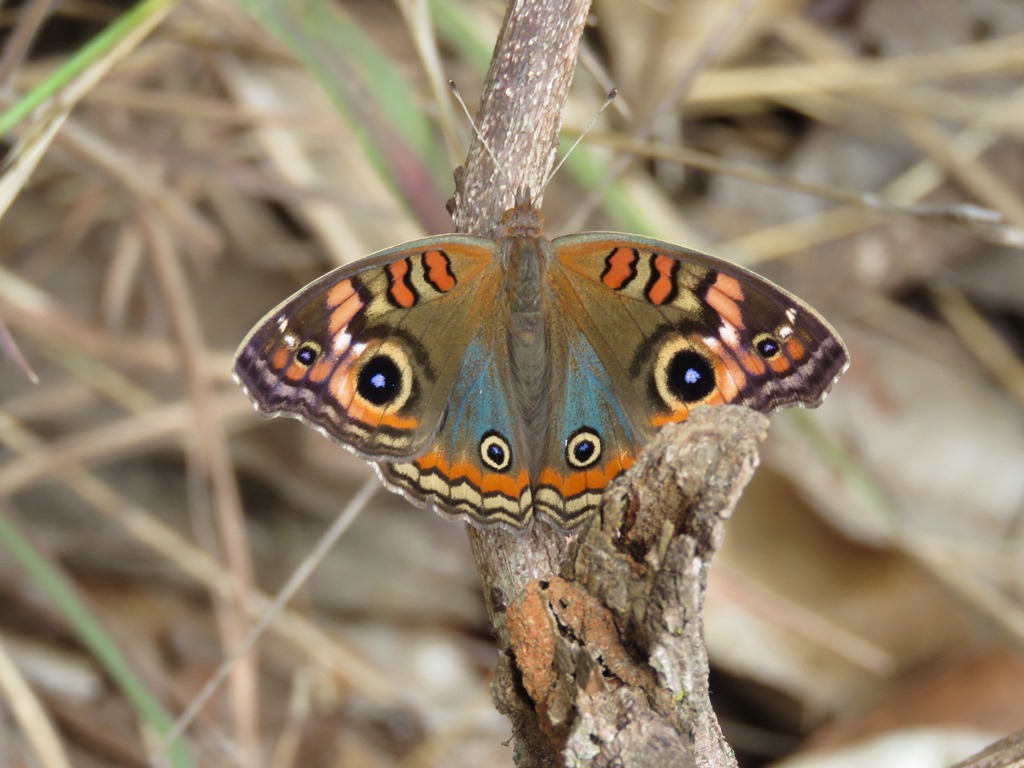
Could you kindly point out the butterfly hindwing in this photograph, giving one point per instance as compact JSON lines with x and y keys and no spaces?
{"x":476,"y":467}
{"x":591,"y":437}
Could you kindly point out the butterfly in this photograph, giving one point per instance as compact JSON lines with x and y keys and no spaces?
{"x":499,"y":381}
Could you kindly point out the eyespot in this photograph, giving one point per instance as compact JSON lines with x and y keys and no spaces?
{"x":495,"y":451}
{"x":767,"y":346}
{"x":381,"y":381}
{"x":682,"y":374}
{"x":308,"y":353}
{"x":583,"y":448}
{"x":385,"y":377}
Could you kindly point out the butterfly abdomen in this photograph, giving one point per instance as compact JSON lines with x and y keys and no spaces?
{"x":528,"y":348}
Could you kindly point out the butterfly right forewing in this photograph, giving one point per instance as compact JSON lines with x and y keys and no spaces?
{"x":676,"y":328}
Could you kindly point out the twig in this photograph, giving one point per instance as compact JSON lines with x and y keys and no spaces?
{"x":520,"y":110}
{"x":600,"y":636}
{"x":520,"y":116}
{"x":1006,"y":753}
{"x":215,"y":492}
{"x":613,"y":658}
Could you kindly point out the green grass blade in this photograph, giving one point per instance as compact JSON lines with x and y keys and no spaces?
{"x":373,"y":95}
{"x":88,"y":55}
{"x":91,"y":633}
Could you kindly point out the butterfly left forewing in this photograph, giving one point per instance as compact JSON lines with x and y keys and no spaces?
{"x":369,"y":352}
{"x":679,"y":328}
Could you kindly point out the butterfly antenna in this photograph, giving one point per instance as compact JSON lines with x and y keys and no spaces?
{"x":607,"y":102}
{"x":476,"y":130}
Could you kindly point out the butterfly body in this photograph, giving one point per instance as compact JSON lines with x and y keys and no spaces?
{"x":501,"y":380}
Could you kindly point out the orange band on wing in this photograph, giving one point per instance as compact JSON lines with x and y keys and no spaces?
{"x":339,"y":293}
{"x":280,"y":359}
{"x":492,"y":482}
{"x":620,"y":268}
{"x":592,"y":479}
{"x":751,"y":363}
{"x":682,"y":413}
{"x":662,"y":288}
{"x":344,"y":313}
{"x":395,"y":421}
{"x":506,"y":485}
{"x":730,"y":378}
{"x":295,"y":372}
{"x":372,"y":416}
{"x":321,"y":370}
{"x":660,"y":420}
{"x":342,"y":385}
{"x":795,"y":349}
{"x":730,"y":286}
{"x":400,"y":292}
{"x":438,"y":271}
{"x":724,"y":296}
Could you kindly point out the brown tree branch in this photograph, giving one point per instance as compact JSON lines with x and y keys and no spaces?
{"x":1005,"y":753}
{"x":520,"y":117}
{"x":600,"y":636}
{"x":646,"y":561}
{"x":610,"y":654}
{"x":521,"y":109}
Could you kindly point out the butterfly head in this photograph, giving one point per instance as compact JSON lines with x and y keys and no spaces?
{"x":522,"y":219}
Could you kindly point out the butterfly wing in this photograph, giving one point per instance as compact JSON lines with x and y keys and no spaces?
{"x":674,"y":328}
{"x":403,"y":357}
{"x":368,"y":354}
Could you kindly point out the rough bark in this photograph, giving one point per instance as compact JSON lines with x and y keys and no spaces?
{"x":610,"y":653}
{"x":600,"y":638}
{"x":520,"y":112}
{"x":1006,"y":753}
{"x":602,"y":658}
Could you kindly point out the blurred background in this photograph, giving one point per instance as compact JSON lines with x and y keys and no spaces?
{"x":866,"y":154}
